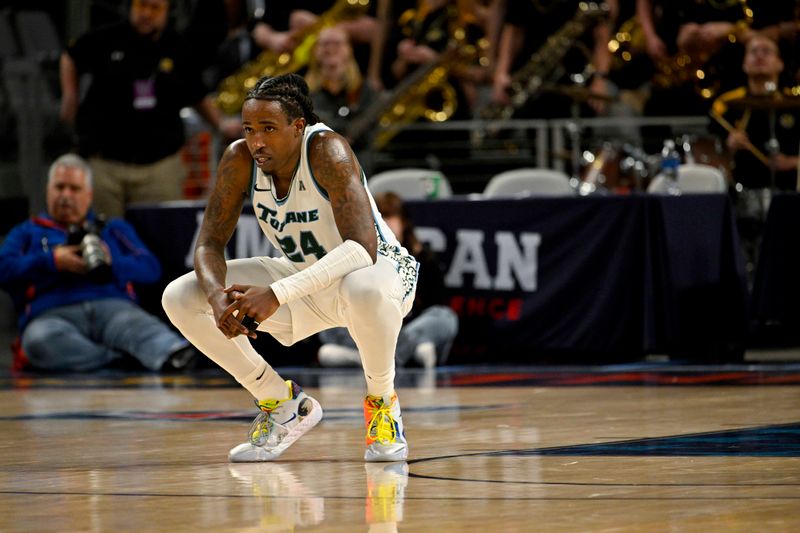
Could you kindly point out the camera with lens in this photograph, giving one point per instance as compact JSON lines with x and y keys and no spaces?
{"x":87,"y":236}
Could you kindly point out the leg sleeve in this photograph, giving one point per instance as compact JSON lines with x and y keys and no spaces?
{"x":186,"y":306}
{"x":373,"y":310}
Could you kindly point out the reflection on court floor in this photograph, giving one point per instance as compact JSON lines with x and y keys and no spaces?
{"x":500,"y":449}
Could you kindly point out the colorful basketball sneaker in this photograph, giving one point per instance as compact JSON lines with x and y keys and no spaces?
{"x":386,"y":440}
{"x":278,"y":425}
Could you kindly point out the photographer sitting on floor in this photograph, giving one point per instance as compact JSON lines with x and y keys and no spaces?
{"x":70,"y":276}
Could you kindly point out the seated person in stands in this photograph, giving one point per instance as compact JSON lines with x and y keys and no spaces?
{"x":750,"y":110}
{"x":337,"y":86}
{"x":429,"y":329}
{"x":71,"y":277}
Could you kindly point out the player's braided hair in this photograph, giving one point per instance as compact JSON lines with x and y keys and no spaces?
{"x":290,"y":91}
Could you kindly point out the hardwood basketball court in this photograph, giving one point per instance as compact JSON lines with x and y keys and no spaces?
{"x":624,"y":448}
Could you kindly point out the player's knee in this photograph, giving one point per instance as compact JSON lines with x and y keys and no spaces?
{"x":178,"y":296}
{"x":357,"y":293}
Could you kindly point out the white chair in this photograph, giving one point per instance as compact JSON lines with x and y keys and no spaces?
{"x":701,"y":178}
{"x":523,"y":182}
{"x":412,"y":183}
{"x":693,"y":179}
{"x":658,"y":185}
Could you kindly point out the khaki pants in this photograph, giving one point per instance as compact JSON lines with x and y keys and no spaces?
{"x":117,"y":185}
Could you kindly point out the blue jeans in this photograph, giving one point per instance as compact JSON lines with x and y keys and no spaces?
{"x":437,"y":324}
{"x":91,"y":334}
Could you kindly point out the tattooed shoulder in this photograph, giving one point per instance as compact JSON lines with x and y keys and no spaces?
{"x":334,"y":163}
{"x":235,"y":166}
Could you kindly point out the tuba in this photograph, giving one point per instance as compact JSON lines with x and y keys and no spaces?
{"x":233,"y":89}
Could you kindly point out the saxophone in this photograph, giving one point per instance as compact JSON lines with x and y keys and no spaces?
{"x":543,"y":65}
{"x":410,"y":100}
{"x":682,"y":67}
{"x":413,"y":96}
{"x":233,"y":89}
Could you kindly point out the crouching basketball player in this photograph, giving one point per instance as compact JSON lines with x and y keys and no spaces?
{"x":341,"y":266}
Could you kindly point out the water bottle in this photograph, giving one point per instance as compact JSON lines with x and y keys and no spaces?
{"x":670,"y":161}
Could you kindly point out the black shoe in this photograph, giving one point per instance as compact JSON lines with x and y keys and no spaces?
{"x":183,"y":360}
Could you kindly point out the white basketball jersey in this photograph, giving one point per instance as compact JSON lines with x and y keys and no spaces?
{"x":302,"y":224}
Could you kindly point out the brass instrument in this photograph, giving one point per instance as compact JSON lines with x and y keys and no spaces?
{"x":627,"y":43}
{"x":543,"y":65}
{"x":411,"y":99}
{"x":233,"y":89}
{"x":680,"y":68}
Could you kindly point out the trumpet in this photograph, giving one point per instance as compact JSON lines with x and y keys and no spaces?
{"x":233,"y":89}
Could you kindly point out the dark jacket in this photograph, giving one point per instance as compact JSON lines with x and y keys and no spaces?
{"x":131,"y":111}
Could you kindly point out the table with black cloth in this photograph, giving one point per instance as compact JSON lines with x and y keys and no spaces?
{"x":775,"y":303}
{"x":585,"y":279}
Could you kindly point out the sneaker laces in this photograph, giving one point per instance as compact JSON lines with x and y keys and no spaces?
{"x":381,"y":427}
{"x":262,"y":425}
{"x":261,"y":428}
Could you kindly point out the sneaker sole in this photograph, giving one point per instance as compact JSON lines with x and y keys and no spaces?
{"x":247,"y":453}
{"x":372,"y":456}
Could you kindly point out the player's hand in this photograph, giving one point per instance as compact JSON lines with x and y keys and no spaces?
{"x":226,"y":323}
{"x":258,"y":303}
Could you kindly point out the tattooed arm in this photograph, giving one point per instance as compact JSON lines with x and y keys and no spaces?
{"x":336,"y":169}
{"x":221,"y":216}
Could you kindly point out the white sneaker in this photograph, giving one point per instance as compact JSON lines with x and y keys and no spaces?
{"x":278,"y":425}
{"x":337,"y":355}
{"x":386,"y":440}
{"x":425,"y":354}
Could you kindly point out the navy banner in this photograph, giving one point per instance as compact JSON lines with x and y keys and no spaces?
{"x":595,"y":279}
{"x":776,"y":289}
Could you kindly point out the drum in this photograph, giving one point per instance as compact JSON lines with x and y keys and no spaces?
{"x":614,"y":168}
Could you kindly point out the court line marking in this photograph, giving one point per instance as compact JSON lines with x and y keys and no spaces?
{"x":331,"y":414}
{"x":405,"y":499}
{"x":582,"y":484}
{"x":613,"y":450}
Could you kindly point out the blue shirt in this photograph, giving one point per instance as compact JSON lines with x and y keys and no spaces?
{"x":28,"y":271}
